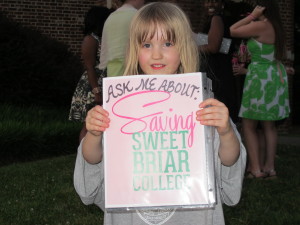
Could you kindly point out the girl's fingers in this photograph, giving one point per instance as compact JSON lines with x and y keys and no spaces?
{"x":92,"y":127}
{"x":97,"y":119}
{"x":213,"y":113}
{"x":215,"y":108}
{"x":210,"y":102}
{"x":98,"y":122}
{"x":213,"y":123}
{"x":213,"y":120}
{"x":212,"y":110}
{"x":100,"y":110}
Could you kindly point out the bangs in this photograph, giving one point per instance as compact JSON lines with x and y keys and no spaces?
{"x":149,"y":30}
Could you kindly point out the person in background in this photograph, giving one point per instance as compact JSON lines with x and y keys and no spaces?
{"x":240,"y":70}
{"x":240,"y":60}
{"x":115,"y":37}
{"x":218,"y":65}
{"x":88,"y":92}
{"x":265,"y":95}
{"x":161,"y":42}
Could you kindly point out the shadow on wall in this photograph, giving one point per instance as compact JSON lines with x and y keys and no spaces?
{"x":35,"y":69}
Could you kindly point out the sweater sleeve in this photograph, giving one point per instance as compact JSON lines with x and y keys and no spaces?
{"x":89,"y":180}
{"x":230,"y":179}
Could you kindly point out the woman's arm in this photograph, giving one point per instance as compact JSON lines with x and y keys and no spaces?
{"x":89,"y":49}
{"x":246,"y":27}
{"x":215,"y":36}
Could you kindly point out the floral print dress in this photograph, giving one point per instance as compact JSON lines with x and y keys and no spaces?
{"x":83,"y":98}
{"x":265,"y":93}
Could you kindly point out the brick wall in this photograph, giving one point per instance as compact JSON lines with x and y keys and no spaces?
{"x":58,"y":19}
{"x":287,"y":13}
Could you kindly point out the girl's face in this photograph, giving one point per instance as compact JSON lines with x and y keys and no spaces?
{"x":158,"y":55}
{"x":213,"y":6}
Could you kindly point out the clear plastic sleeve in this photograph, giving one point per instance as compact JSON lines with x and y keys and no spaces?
{"x":156,"y":155}
{"x":202,"y":39}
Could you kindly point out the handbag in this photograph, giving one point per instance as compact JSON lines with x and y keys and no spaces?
{"x":202,"y":39}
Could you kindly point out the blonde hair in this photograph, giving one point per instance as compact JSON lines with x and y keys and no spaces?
{"x":176,"y":28}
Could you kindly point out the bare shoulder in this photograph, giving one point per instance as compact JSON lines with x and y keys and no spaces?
{"x":259,"y":27}
{"x":263,"y":25}
{"x":89,"y":40}
{"x":266,"y":32}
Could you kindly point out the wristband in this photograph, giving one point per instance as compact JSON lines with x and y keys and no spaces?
{"x":252,"y":17}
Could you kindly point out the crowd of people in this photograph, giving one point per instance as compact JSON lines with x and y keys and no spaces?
{"x":135,"y":36}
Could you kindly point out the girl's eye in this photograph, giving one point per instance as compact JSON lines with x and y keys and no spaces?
{"x":168,"y":44}
{"x":146,"y":45}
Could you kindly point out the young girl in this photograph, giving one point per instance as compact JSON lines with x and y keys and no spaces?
{"x":161,"y":42}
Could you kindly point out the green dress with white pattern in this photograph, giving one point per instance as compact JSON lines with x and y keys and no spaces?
{"x":265,"y":94}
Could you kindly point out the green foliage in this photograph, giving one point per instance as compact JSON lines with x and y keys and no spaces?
{"x":29,"y":133}
{"x":35,"y":69}
{"x":42,"y":192}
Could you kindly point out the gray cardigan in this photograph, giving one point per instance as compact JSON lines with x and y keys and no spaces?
{"x":89,"y":184}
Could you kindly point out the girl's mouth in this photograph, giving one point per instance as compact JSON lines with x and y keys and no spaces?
{"x":157,"y":66}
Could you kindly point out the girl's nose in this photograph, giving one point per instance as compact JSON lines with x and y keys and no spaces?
{"x":156,"y":53}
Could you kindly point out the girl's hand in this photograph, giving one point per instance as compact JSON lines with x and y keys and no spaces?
{"x":214,"y":113}
{"x":258,"y":11}
{"x":97,"y":120}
